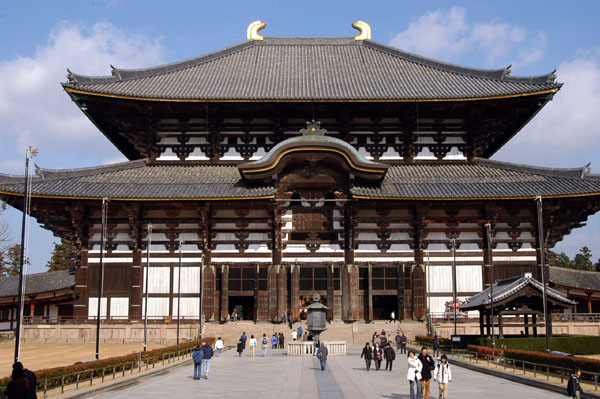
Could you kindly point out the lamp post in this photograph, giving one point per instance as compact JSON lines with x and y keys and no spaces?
{"x":179,"y":292}
{"x":453,"y":243}
{"x":30,"y":153}
{"x":488,"y":227}
{"x":101,"y":273}
{"x":542,"y":245}
{"x":148,"y":243}
{"x":201,"y":281}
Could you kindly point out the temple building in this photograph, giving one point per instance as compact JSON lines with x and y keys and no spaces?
{"x":284,"y":166}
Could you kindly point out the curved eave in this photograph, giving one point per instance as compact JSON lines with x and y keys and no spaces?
{"x":531,"y":197}
{"x":71,"y":90}
{"x":48,"y":196}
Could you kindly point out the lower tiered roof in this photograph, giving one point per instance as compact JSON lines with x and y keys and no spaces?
{"x":144,"y":180}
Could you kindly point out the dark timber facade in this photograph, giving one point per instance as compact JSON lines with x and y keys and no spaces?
{"x":359,"y":206}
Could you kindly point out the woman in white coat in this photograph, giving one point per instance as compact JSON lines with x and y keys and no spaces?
{"x":443,"y":375}
{"x":413,"y":375}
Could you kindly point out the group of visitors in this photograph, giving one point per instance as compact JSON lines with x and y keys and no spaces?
{"x":201,"y":356}
{"x":401,"y":342}
{"x":421,"y":369}
{"x":377,"y":354}
{"x":234,"y":316}
{"x":22,"y":384}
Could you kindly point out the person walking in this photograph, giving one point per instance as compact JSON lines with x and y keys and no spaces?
{"x":219,"y":345}
{"x":443,"y":376}
{"x":389,"y":355}
{"x":436,"y":347}
{"x":300,"y":331}
{"x":240,"y":348}
{"x":31,"y":384}
{"x":244,"y":338}
{"x":573,"y":387}
{"x":281,"y":340}
{"x":322,"y":355}
{"x":208,"y":354}
{"x":264,"y":345}
{"x":283,"y":317}
{"x":197,"y":356}
{"x":252,"y":343}
{"x":317,"y":345}
{"x":367,"y":353}
{"x":403,"y":341}
{"x":294,"y":335}
{"x":377,"y":355}
{"x":290,"y":319}
{"x":393,"y":317}
{"x":428,"y":365}
{"x":274,"y":341}
{"x":383,"y":339}
{"x":398,"y":340}
{"x":413,"y":375}
{"x":18,"y":385}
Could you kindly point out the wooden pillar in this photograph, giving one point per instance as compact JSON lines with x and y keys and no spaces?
{"x":272,"y":290}
{"x":526,"y":324}
{"x":589,"y":303}
{"x":210,"y":296}
{"x":370,"y":292}
{"x":345,"y":293}
{"x":500,"y":327}
{"x":330,"y":267}
{"x":295,"y":294}
{"x":353,"y":292}
{"x":400,"y":291}
{"x":137,"y":279}
{"x":255,"y":287}
{"x":80,"y":292}
{"x":224,"y":292}
{"x":281,"y":291}
{"x":534,"y":321}
{"x":488,"y":321}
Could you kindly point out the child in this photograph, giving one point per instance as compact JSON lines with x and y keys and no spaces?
{"x":443,"y":375}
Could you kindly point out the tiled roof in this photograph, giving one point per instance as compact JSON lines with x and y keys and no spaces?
{"x":142,"y":180}
{"x":511,"y":286}
{"x":299,"y":69}
{"x":575,"y":278}
{"x":37,"y":283}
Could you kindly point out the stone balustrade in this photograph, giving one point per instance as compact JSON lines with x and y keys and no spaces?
{"x":299,"y":348}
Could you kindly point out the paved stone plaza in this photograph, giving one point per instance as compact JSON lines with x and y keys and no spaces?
{"x":282,"y":376}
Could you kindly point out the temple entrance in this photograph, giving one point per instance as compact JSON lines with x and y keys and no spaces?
{"x":383,"y":306}
{"x":244,"y":305}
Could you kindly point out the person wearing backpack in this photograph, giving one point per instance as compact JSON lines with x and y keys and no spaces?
{"x":252,"y":344}
{"x":197,"y":356}
{"x":208,"y":354}
{"x":573,"y":387}
{"x":322,"y":355}
{"x":436,"y":347}
{"x":264,"y":345}
{"x":443,"y":376}
{"x":300,"y":331}
{"x":389,"y":355}
{"x":244,"y":338}
{"x":240,"y":348}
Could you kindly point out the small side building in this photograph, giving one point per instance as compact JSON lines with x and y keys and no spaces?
{"x":48,"y":298}
{"x":579,"y":285}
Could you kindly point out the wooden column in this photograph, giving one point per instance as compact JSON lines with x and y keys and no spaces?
{"x":481,"y":332}
{"x":345,"y":292}
{"x":255,"y":287}
{"x":534,"y":321}
{"x":500,"y":327}
{"x":295,"y":294}
{"x":526,"y":324}
{"x":330,"y":291}
{"x":80,"y":292}
{"x":488,"y":325}
{"x":272,"y":290}
{"x":400,"y":291}
{"x":353,"y":292}
{"x":137,"y":278}
{"x":281,"y":291}
{"x":370,"y":292}
{"x":224,"y":292}
{"x":209,"y":293}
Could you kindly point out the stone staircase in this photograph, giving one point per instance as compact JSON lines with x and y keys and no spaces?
{"x":353,"y":333}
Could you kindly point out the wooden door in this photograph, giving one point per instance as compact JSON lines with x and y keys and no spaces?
{"x":418,"y":292}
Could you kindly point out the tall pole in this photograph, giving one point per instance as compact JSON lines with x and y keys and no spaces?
{"x":148,"y":243}
{"x":542,"y":245}
{"x":101,"y":275}
{"x":488,"y":227}
{"x":201,"y":281}
{"x":179,"y":292}
{"x":453,"y":242}
{"x":427,"y":293}
{"x":28,"y":154}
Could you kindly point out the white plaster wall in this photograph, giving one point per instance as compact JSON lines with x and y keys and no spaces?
{"x":190,"y":280}
{"x":189,"y":308}
{"x":157,"y":307}
{"x":93,"y":307}
{"x":159,"y":281}
{"x":119,"y":307}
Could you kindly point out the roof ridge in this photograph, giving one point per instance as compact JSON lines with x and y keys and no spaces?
{"x":572,"y":173}
{"x":120,"y":74}
{"x":568,"y":269}
{"x":496,"y":74}
{"x":52,"y":174}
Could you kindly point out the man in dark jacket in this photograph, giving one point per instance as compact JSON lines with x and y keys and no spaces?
{"x":244,"y":338}
{"x":403,"y":343}
{"x":573,"y":388}
{"x":208,"y":354}
{"x":389,"y":355}
{"x":428,"y":366}
{"x":322,"y":355}
{"x":197,"y":356}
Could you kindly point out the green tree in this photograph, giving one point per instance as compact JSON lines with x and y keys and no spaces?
{"x":583,"y":260}
{"x":10,"y":261}
{"x":560,"y":260}
{"x":63,"y":258}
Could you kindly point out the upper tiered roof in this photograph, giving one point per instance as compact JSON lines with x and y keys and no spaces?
{"x":310,"y":69}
